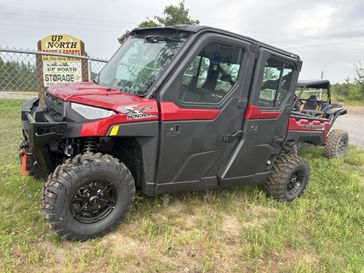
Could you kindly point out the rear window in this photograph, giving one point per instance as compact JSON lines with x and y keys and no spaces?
{"x":275,"y":85}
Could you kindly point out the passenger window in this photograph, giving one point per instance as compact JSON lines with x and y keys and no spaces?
{"x":284,"y":84}
{"x":211,"y":75}
{"x":196,"y":71}
{"x":275,"y":85}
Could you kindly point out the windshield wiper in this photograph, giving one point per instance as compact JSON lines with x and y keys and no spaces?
{"x":158,"y":38}
{"x":135,"y":93}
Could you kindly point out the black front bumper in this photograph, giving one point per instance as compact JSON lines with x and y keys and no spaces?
{"x":40,"y":131}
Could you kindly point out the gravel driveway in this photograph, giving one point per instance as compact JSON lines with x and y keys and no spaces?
{"x":17,"y":95}
{"x":353,"y":123}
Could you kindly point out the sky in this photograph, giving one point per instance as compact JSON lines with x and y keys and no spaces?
{"x":328,"y":35}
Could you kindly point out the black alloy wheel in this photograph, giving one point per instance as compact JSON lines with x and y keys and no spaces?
{"x":93,"y":201}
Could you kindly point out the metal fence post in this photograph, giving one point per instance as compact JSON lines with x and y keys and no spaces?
{"x":89,"y":69}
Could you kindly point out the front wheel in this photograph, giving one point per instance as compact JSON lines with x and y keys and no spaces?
{"x":288,"y":178}
{"x":87,"y":196}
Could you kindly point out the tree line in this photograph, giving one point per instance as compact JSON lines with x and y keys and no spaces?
{"x":351,"y":90}
{"x":17,"y":76}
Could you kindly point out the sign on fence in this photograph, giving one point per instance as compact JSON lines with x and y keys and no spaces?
{"x":58,"y":69}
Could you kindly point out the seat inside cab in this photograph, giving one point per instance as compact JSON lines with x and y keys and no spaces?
{"x":312,"y":95}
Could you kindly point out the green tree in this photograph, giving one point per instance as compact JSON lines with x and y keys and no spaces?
{"x":172,"y":15}
{"x":17,"y":76}
{"x":359,"y":73}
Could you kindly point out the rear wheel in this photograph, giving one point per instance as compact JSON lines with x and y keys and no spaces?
{"x":337,"y":143}
{"x":288,"y":178}
{"x":87,"y":196}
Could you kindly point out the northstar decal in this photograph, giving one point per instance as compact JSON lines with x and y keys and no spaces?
{"x":132,"y":112}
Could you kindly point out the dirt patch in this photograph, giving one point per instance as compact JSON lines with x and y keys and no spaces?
{"x":46,"y":247}
{"x":230,"y":226}
{"x":258,"y":216}
{"x":176,"y":207}
{"x":356,"y":109}
{"x":278,"y":262}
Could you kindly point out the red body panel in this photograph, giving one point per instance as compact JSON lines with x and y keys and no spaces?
{"x":170,"y":111}
{"x":101,"y":127}
{"x":309,"y":125}
{"x":95,"y":95}
{"x":254,"y":112}
{"x":129,"y":108}
{"x":132,"y":108}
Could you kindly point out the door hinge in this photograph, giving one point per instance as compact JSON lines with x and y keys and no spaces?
{"x":242,"y":103}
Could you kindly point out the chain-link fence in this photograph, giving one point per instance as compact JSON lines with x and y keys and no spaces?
{"x":22,"y":71}
{"x":22,"y":77}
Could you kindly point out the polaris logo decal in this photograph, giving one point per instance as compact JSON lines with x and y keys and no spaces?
{"x":135,"y":112}
{"x":312,"y":126}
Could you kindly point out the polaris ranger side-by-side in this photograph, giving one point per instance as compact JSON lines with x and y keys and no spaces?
{"x":179,"y":108}
{"x":314,"y":110}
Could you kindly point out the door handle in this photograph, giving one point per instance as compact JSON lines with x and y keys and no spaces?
{"x":230,"y":138}
{"x":277,"y":139}
{"x":174,"y":130}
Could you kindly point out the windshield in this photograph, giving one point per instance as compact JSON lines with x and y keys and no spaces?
{"x":138,"y":63}
{"x":306,"y":93}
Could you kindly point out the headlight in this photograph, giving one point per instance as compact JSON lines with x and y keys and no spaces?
{"x":90,"y":112}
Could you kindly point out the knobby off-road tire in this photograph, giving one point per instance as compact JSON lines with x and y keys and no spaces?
{"x":288,"y":178}
{"x":87,"y":196}
{"x":336,"y":144}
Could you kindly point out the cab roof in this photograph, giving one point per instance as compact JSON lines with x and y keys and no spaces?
{"x":198,"y":28}
{"x":316,"y":84}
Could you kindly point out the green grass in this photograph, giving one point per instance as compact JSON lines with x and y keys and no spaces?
{"x":346,"y":102}
{"x":10,"y":128}
{"x":232,"y":230}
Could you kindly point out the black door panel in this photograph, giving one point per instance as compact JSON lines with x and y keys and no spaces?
{"x":265,"y":128}
{"x":198,"y":148}
{"x":193,"y":152}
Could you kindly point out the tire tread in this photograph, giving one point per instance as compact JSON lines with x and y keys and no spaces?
{"x":332,"y":141}
{"x":53,"y":189}
{"x":275,"y":185}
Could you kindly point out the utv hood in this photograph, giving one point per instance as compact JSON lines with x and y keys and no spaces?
{"x":95,"y":95}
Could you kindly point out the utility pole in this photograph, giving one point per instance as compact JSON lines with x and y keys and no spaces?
{"x":322,"y":77}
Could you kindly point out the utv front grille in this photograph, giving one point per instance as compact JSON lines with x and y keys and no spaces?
{"x":54,"y":115}
{"x":55,"y":107}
